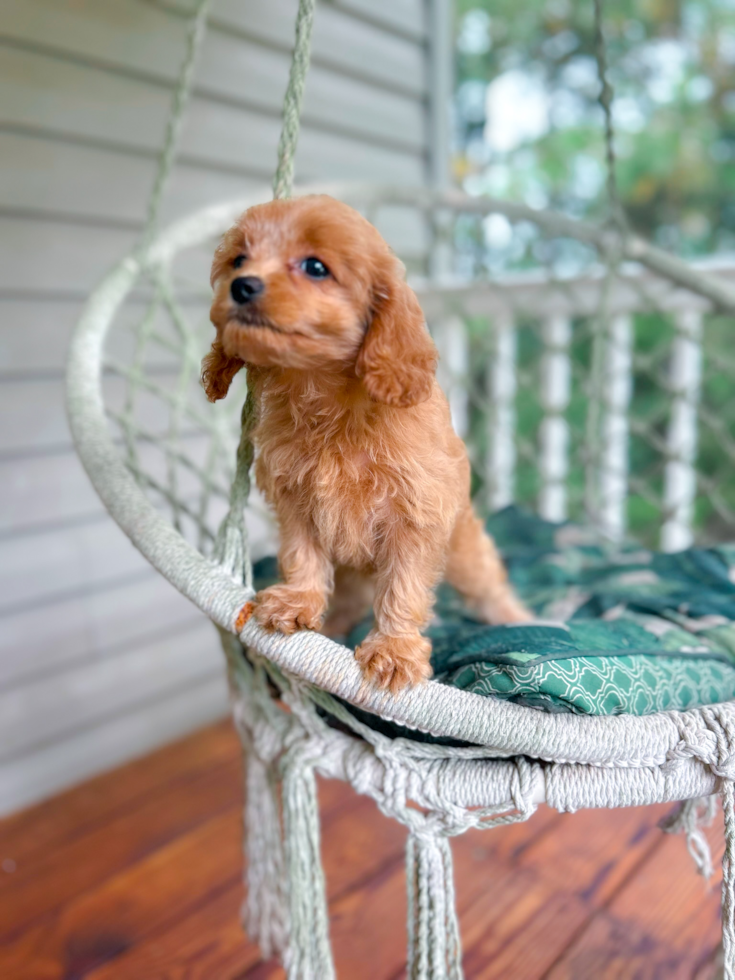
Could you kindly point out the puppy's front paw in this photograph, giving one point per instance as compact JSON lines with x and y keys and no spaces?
{"x":395,"y":662}
{"x":286,"y":609}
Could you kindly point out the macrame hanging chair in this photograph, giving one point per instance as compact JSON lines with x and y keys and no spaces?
{"x":437,"y":758}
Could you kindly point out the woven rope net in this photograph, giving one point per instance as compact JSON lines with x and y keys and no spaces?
{"x":561,"y":408}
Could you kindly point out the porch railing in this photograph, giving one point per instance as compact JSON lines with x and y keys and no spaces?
{"x":626,"y":420}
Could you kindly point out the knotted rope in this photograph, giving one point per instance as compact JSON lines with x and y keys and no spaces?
{"x":728,"y":881}
{"x":264,"y":912}
{"x":605,"y":100}
{"x":195,"y":34}
{"x":232,"y":544}
{"x":434,"y":948}
{"x":285,"y":912}
{"x":611,"y":250}
{"x":283,"y":180}
{"x":711,"y":742}
{"x":308,"y":954}
{"x":413,"y":783}
{"x":689,"y":819}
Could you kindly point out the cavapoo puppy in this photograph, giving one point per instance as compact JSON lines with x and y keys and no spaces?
{"x":355,"y":449}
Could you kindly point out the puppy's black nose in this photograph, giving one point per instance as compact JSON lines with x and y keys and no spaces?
{"x":246,"y":288}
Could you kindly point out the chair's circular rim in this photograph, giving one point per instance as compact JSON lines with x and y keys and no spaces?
{"x":506,"y":729}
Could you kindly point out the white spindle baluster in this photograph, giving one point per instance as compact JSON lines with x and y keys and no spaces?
{"x":501,"y":378}
{"x":554,"y":430}
{"x":450,"y":335}
{"x":449,"y":332}
{"x":617,"y":389}
{"x":680,"y":476}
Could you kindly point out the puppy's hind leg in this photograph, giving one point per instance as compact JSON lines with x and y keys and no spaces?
{"x":476,"y":570}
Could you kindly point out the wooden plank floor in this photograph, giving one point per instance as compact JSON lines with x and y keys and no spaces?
{"x":136,"y":875}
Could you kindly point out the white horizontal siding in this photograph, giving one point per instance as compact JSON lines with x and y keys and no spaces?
{"x":60,"y":561}
{"x":41,"y":428}
{"x":63,"y":257}
{"x":61,"y":703}
{"x":340,"y":41}
{"x":353,"y":106}
{"x":30,"y":349}
{"x":87,"y":627}
{"x":99,"y":658}
{"x":56,"y":563}
{"x":142,"y":36}
{"x":112,"y":740}
{"x":47,"y":96}
{"x":400,"y":15}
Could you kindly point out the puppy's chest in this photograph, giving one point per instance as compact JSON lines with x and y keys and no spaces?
{"x":351,"y":495}
{"x":310,"y":466}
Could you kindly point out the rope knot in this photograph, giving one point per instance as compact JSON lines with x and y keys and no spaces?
{"x":700,"y":745}
{"x":690,"y":819}
{"x":266,"y":741}
{"x":712,"y":744}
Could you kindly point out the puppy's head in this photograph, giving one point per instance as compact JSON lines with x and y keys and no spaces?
{"x":310,"y":284}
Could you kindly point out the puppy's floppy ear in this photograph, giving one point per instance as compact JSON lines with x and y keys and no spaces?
{"x":397,"y":361}
{"x":218,"y":370}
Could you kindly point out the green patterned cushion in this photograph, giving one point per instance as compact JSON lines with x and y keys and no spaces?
{"x":629,"y":631}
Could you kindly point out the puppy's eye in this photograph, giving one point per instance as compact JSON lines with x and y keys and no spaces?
{"x":238,"y":261}
{"x":315,"y":268}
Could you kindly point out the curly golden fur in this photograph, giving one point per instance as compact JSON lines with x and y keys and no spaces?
{"x":355,"y":448}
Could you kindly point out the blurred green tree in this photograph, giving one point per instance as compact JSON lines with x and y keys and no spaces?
{"x":528,"y":125}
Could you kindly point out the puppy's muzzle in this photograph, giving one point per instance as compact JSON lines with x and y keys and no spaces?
{"x":245,"y":289}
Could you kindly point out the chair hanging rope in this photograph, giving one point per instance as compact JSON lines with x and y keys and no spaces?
{"x":291,"y":114}
{"x":293,"y":100}
{"x":194,"y":38}
{"x":231,"y":547}
{"x":231,"y":550}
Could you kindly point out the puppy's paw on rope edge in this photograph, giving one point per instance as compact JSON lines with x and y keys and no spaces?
{"x":243,"y":616}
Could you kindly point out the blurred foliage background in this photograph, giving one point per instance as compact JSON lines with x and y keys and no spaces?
{"x":528,"y":127}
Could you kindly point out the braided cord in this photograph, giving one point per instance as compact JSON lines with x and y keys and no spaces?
{"x":605,"y":100}
{"x":612,"y":254}
{"x":231,"y":545}
{"x":283,"y":180}
{"x":194,"y":37}
{"x":230,"y":552}
{"x":728,"y":881}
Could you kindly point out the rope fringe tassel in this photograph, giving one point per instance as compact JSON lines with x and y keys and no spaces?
{"x":265,"y":913}
{"x":434,"y":949}
{"x":689,"y":819}
{"x":308,"y":955}
{"x":728,"y":880}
